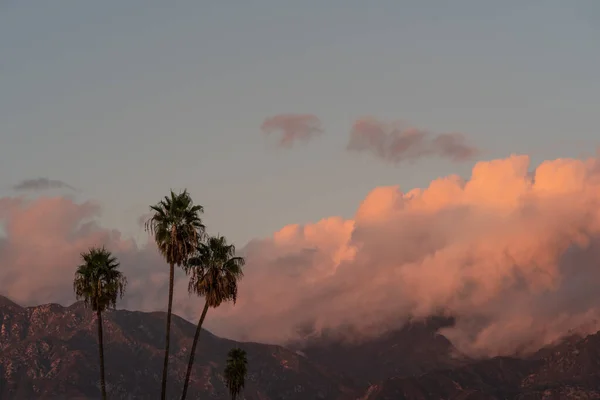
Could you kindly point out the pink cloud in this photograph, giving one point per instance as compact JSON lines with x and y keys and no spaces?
{"x":397,"y":142}
{"x":513,"y":254}
{"x":292,"y":128}
{"x":42,"y":242}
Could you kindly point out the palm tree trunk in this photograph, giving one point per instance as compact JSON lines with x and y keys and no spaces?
{"x":163,"y":392}
{"x":101,"y":349}
{"x":193,"y":352}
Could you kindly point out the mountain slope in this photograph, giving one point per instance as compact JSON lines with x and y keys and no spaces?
{"x":414,"y":349}
{"x":50,"y":352}
{"x":569,"y":370}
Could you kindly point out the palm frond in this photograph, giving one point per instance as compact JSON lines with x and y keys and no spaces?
{"x":98,"y":281}
{"x":176,"y":226}
{"x":215,"y":271}
{"x":236,"y":370}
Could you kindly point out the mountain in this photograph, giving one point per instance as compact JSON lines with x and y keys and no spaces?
{"x":568,"y":370}
{"x":414,"y":349}
{"x":50,"y":352}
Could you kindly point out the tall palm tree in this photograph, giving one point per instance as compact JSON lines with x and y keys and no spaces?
{"x":177,"y":227}
{"x":98,"y":282}
{"x":215,"y":272}
{"x":235,"y":371}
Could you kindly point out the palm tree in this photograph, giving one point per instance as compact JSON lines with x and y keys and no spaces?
{"x":235,"y":371}
{"x":177,"y":227}
{"x":215,"y":272}
{"x":98,"y":282}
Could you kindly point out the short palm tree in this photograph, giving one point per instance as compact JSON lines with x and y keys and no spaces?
{"x":98,"y":282}
{"x":177,"y":227}
{"x":235,"y":371}
{"x":215,"y":272}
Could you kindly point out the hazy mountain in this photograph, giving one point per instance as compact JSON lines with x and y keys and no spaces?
{"x":569,"y":370}
{"x":50,"y":352}
{"x":415,"y":349}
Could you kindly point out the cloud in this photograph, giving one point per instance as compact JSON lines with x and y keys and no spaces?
{"x":396,"y":142}
{"x":292,"y":128}
{"x":512,"y":253}
{"x":41,"y":184}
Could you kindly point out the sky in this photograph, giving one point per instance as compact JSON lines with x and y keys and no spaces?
{"x":127,"y":100}
{"x":322,"y":114}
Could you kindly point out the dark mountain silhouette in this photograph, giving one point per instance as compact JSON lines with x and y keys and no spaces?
{"x":414,"y":349}
{"x":50,"y":352}
{"x":568,"y":370}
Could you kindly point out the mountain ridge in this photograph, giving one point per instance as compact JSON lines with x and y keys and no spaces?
{"x":37,"y":362}
{"x":50,"y":352}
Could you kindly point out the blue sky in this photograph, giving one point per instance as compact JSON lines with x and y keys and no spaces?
{"x":125,"y":100}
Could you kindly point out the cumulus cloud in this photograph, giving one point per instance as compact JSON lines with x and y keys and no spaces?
{"x":397,"y":142}
{"x":292,"y":128}
{"x":512,"y":253}
{"x":41,"y":184}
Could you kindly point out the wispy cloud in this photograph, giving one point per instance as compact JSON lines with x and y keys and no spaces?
{"x":292,"y":128}
{"x":41,"y":184}
{"x":396,"y":142}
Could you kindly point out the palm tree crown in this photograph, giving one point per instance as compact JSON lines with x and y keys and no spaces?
{"x":176,"y":226}
{"x":98,"y":281}
{"x":235,"y":371}
{"x":215,"y":271}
